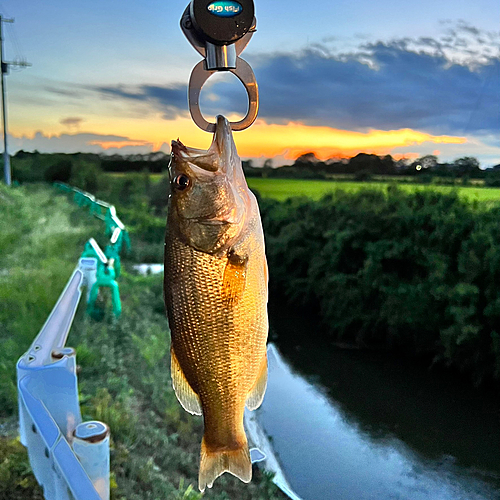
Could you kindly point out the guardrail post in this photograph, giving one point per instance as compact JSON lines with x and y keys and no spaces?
{"x":91,"y":446}
{"x":88,"y":266}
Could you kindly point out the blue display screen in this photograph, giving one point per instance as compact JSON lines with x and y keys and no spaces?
{"x":225,"y":8}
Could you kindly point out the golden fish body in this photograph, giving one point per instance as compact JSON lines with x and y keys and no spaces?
{"x":216,"y":298}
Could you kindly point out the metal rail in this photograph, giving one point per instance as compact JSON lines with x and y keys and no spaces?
{"x":108,"y":263}
{"x":70,"y":458}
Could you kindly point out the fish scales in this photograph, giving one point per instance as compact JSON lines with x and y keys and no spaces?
{"x":216,"y":299}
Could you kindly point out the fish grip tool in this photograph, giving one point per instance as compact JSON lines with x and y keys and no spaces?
{"x":220,"y":30}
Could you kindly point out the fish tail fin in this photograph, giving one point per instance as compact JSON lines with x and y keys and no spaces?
{"x":215,"y":463}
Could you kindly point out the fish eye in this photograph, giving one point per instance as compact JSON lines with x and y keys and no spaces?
{"x":181,"y":182}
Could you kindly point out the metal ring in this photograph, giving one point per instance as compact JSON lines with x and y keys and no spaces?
{"x":246,"y":76}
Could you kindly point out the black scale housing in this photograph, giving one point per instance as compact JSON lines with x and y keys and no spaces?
{"x":221,"y":30}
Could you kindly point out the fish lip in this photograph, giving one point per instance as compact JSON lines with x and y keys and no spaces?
{"x":198,"y":157}
{"x":218,"y":155}
{"x":223,"y":133}
{"x":178,"y":148}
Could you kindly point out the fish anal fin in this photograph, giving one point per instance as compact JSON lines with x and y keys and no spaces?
{"x":214,"y":463}
{"x":233,"y":284}
{"x":256,"y":394}
{"x":189,"y":400}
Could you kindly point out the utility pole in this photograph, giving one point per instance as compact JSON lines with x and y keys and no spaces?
{"x":4,"y":68}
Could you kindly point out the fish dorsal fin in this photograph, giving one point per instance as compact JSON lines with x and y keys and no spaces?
{"x":256,"y":395}
{"x":235,"y":274}
{"x":189,"y":400}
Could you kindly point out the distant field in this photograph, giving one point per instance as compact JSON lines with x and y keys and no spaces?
{"x":281,"y":189}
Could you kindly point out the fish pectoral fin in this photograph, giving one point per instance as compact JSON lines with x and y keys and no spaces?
{"x":256,"y":395}
{"x":214,"y":463}
{"x":189,"y":400}
{"x":233,"y":284}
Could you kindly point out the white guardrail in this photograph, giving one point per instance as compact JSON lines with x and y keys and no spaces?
{"x":70,"y":458}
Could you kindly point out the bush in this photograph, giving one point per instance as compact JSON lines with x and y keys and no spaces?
{"x":362,"y":176}
{"x":492,"y":179}
{"x":416,"y":272}
{"x":59,"y":171}
{"x":86,"y":175}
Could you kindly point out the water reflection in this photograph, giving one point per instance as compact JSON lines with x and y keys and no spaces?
{"x":366,"y":428}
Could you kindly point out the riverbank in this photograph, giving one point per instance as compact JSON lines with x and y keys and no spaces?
{"x":413,"y":272}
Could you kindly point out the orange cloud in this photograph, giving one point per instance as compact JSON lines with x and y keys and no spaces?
{"x":294,"y":139}
{"x":285,"y":140}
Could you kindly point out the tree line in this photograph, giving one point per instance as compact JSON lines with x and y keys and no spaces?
{"x":363,"y":166}
{"x":40,"y":167}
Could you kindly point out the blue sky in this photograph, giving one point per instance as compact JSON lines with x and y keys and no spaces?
{"x":335,"y":77}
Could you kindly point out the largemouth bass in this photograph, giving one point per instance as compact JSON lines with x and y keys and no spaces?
{"x":216,"y":299}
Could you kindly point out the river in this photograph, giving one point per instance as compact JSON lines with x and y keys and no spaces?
{"x":347,"y":424}
{"x":356,"y":425}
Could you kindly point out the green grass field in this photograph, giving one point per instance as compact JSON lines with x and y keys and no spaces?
{"x":281,"y":189}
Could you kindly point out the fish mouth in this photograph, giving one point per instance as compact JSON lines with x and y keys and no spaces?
{"x":218,"y":155}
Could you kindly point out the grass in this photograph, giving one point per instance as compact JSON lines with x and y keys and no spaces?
{"x":41,"y":238}
{"x":281,"y":189}
{"x":125,"y":377}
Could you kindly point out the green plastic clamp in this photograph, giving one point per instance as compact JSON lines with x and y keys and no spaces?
{"x":83,"y":199}
{"x":95,"y":209}
{"x":105,"y":277}
{"x":110,"y":222}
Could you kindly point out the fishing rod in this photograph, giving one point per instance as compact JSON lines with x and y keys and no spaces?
{"x":220,"y":30}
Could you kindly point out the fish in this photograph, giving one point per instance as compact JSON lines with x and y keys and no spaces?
{"x":216,"y":293}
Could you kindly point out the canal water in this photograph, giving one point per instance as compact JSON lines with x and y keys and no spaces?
{"x":355,"y":425}
{"x":347,"y":424}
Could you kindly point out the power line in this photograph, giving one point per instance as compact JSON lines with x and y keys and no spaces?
{"x":15,"y":43}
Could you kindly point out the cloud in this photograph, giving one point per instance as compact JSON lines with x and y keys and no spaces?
{"x":59,"y":90}
{"x":293,"y":139}
{"x":401,"y":88}
{"x":444,"y":85}
{"x":485,"y":148}
{"x":171,"y":100}
{"x":74,"y":143}
{"x":71,"y":121}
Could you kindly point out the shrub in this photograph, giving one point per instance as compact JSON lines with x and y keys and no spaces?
{"x":417,"y":272}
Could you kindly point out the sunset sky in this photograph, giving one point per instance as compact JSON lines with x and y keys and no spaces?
{"x":336,"y":78}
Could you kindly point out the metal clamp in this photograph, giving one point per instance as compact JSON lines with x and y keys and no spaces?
{"x":220,"y":47}
{"x":246,"y":76}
